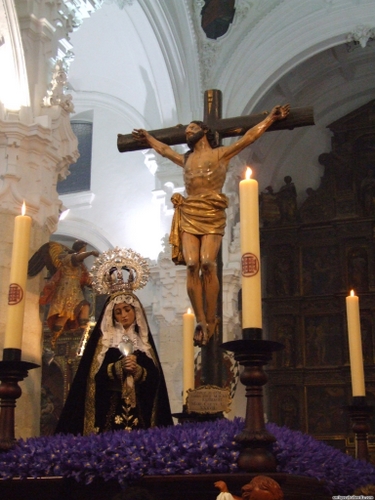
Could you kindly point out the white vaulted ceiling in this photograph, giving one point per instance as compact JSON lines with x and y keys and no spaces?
{"x":148,"y":62}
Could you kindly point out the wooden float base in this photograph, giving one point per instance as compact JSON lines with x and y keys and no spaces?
{"x":176,"y":487}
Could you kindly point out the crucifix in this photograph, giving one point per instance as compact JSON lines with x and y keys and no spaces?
{"x":201,"y":215}
{"x":222,"y":127}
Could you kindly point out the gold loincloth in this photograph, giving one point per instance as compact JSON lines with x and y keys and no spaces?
{"x":196,"y":214}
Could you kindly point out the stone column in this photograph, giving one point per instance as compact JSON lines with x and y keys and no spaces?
{"x":37,"y":145}
{"x":30,"y":158}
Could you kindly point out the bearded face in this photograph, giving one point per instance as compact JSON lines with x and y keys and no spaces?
{"x":193,"y":139}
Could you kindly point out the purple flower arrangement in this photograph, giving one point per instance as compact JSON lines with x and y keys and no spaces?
{"x":302,"y":455}
{"x":182,"y":449}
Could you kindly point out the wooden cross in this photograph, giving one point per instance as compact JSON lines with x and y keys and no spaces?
{"x":212,"y":359}
{"x":222,"y":127}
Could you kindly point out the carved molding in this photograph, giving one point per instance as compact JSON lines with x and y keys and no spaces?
{"x":361,"y":35}
{"x":37,"y":144}
{"x":248,"y":13}
{"x":56,"y":95}
{"x":169,"y":281}
{"x":33,"y":158}
{"x":45,"y":29}
{"x":121,"y":4}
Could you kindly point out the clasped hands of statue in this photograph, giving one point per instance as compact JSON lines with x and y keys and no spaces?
{"x":128,"y":364}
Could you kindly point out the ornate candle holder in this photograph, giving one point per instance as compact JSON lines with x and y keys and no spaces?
{"x":253,"y":353}
{"x":360,"y":414}
{"x":12,"y":371}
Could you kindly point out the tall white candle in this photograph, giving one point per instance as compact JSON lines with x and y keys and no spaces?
{"x":18,"y":279}
{"x":250,"y":253}
{"x":188,"y":355}
{"x":355,"y":345}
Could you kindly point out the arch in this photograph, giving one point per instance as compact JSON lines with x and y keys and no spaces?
{"x":141,"y":75}
{"x":83,"y":230}
{"x":86,"y":102}
{"x":274,"y":56}
{"x":174,"y":34}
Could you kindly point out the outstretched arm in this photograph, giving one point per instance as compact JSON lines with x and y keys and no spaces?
{"x":80,"y":257}
{"x":160,"y":147}
{"x":277,"y":113}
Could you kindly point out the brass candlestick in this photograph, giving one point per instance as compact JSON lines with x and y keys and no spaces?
{"x":253,"y":353}
{"x":12,"y":371}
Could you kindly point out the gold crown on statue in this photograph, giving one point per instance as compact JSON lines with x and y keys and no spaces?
{"x":107,"y":273}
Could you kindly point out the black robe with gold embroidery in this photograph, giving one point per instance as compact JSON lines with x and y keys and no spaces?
{"x":100,"y":401}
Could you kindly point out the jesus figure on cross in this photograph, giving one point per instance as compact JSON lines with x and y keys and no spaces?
{"x":199,"y":219}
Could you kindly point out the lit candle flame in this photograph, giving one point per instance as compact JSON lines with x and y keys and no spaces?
{"x":189,"y":310}
{"x":352,"y":294}
{"x":23,"y":211}
{"x":248,"y":173}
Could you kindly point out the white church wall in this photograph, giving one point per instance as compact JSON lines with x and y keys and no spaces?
{"x":119,"y":205}
{"x":132,"y":68}
{"x":123,"y":207}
